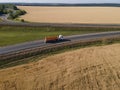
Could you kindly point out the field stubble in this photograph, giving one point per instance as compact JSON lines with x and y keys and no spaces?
{"x":93,"y":68}
{"x":94,"y":15}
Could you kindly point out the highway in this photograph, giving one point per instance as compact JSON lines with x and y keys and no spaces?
{"x":40,"y":43}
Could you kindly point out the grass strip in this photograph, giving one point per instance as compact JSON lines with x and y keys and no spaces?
{"x":10,"y":35}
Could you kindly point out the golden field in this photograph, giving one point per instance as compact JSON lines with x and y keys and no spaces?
{"x":94,"y":15}
{"x":92,"y":68}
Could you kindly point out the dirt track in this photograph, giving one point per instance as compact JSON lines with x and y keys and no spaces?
{"x":94,"y":68}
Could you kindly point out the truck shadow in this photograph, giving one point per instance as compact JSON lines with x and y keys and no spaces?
{"x":64,"y":40}
{"x":59,"y":41}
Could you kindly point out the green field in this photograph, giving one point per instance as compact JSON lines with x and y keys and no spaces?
{"x":12,"y":35}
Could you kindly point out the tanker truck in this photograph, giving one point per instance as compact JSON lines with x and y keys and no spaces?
{"x":52,"y":39}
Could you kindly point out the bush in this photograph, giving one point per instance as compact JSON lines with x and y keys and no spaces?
{"x":22,"y":20}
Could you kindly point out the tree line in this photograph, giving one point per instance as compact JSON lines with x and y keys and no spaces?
{"x":12,"y":10}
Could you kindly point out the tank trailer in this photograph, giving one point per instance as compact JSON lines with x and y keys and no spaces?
{"x":52,"y":39}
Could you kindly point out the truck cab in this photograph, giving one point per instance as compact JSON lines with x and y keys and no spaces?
{"x":60,"y":37}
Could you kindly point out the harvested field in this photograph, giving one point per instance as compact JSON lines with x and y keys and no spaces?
{"x":94,"y":15}
{"x":93,"y":68}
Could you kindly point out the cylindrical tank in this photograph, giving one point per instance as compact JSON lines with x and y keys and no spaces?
{"x":51,"y":39}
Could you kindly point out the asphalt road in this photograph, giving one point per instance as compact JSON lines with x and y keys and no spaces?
{"x":4,"y":18}
{"x":40,"y":43}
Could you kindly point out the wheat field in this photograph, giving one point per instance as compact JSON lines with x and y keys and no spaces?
{"x":93,"y":68}
{"x":94,"y":15}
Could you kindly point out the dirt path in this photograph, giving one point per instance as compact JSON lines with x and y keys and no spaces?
{"x":94,"y":68}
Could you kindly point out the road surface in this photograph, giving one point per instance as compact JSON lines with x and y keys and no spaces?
{"x":40,"y":43}
{"x":5,"y":20}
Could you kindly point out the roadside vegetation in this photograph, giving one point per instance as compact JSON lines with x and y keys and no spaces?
{"x":11,"y":10}
{"x":12,"y":35}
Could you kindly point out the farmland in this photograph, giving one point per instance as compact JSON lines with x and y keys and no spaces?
{"x":92,"y":68}
{"x":12,"y":35}
{"x":93,"y":15}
